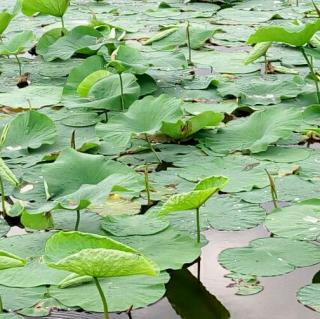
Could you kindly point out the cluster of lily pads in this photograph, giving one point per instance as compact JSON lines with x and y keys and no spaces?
{"x":119,"y":124}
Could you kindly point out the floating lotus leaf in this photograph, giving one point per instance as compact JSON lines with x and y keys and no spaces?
{"x":270,"y":257}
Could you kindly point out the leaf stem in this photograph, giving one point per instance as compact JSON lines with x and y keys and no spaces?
{"x":19,"y":63}
{"x":313,"y":75}
{"x":188,"y":43}
{"x":273,"y":189}
{"x":1,"y":305}
{"x":152,"y":149}
{"x":146,"y":182}
{"x":103,"y":298}
{"x":3,"y":202}
{"x":121,"y":92}
{"x":78,"y":220}
{"x":62,"y":24}
{"x":198,"y":225}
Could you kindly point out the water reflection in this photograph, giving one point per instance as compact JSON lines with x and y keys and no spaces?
{"x":191,"y":300}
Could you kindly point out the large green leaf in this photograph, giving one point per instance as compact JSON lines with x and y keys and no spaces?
{"x":128,"y":59}
{"x":169,"y":249}
{"x":186,"y":127}
{"x":256,"y":132}
{"x":121,"y":293}
{"x":94,"y":255}
{"x":300,"y":221}
{"x":176,"y":36}
{"x":270,"y":257}
{"x":81,"y":38}
{"x":133,"y":225}
{"x":30,"y":130}
{"x":144,"y":116}
{"x":105,"y":94}
{"x":17,"y":43}
{"x":297,"y":35}
{"x":310,"y":296}
{"x":244,"y":174}
{"x":55,"y":8}
{"x":79,"y":169}
{"x":36,"y":96}
{"x":18,"y":298}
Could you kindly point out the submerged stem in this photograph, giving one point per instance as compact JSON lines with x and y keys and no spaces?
{"x":20,"y":66}
{"x":103,"y":298}
{"x":78,"y":220}
{"x":188,"y":43}
{"x":152,"y":149}
{"x":146,"y":182}
{"x":3,"y":202}
{"x":121,"y":92}
{"x":313,"y":75}
{"x":198,"y":225}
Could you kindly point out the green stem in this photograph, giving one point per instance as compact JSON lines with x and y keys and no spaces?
{"x":62,"y":23}
{"x":198,"y":225}
{"x":273,"y":189}
{"x":103,"y":298}
{"x":78,"y":220}
{"x":152,"y":149}
{"x":147,"y":186}
{"x":73,"y":140}
{"x":121,"y":92}
{"x":20,"y":66}
{"x":188,"y":43}
{"x":313,"y":75}
{"x":3,"y":202}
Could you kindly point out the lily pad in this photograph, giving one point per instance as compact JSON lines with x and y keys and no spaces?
{"x":300,"y":221}
{"x":133,"y":225}
{"x":30,"y":130}
{"x":310,"y":296}
{"x":270,"y":257}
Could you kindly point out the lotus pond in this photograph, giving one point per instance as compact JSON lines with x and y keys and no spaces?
{"x":160,"y":160}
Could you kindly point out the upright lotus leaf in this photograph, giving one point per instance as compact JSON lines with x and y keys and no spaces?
{"x":106,"y":94}
{"x":145,"y":116}
{"x":258,"y":51}
{"x":82,"y":39}
{"x":17,"y":43}
{"x":96,"y":256}
{"x":79,"y":169}
{"x":194,"y":199}
{"x":81,"y":72}
{"x":61,"y":245}
{"x":128,"y":59}
{"x":270,"y":257}
{"x":186,"y":127}
{"x":256,"y":132}
{"x":5,"y":19}
{"x":297,"y":35}
{"x":300,"y":221}
{"x":55,"y":8}
{"x":30,"y":130}
{"x":87,"y":83}
{"x":8,"y":260}
{"x":310,"y":296}
{"x":7,"y":174}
